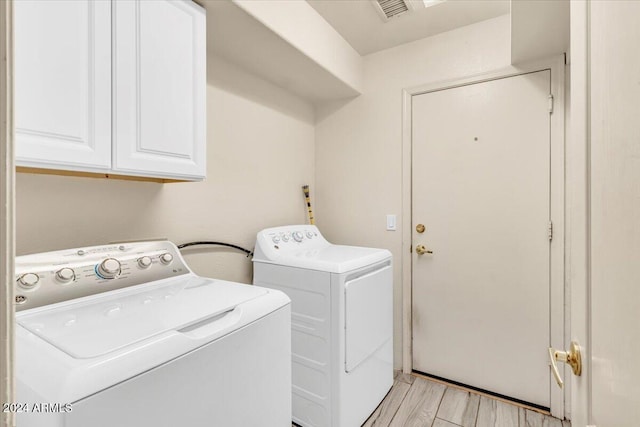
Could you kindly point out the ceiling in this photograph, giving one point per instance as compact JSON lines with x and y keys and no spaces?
{"x":244,"y":39}
{"x":359,"y":24}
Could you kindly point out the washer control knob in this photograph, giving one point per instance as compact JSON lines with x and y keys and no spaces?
{"x":28,"y":280}
{"x":285,"y":238}
{"x":275,"y":239}
{"x":65,"y":275}
{"x":109,"y":268}
{"x":298,"y":236}
{"x":144,"y":262}
{"x":309,"y":234}
{"x":166,"y":258}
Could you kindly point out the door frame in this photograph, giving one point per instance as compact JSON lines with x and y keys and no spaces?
{"x":559,"y":331}
{"x":7,"y":211}
{"x":579,"y":206}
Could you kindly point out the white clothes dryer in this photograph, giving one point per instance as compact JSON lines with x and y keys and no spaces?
{"x":126,"y":335}
{"x":342,"y":322}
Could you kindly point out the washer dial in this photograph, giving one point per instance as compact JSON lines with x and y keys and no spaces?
{"x":144,"y":262}
{"x":65,"y":275}
{"x":28,"y":280}
{"x":166,"y":258}
{"x":109,"y":268}
{"x":298,"y":236}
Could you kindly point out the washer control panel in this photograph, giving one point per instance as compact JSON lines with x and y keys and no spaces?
{"x":273,"y":242}
{"x":52,"y":277}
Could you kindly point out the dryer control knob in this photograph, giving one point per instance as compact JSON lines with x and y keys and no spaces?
{"x":65,"y":275}
{"x":309,"y":234}
{"x":298,"y":236}
{"x":28,"y":281}
{"x":166,"y":258}
{"x":109,"y":268}
{"x":275,"y":239}
{"x":144,"y":262}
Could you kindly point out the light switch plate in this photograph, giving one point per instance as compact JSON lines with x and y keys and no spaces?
{"x":391,"y":222}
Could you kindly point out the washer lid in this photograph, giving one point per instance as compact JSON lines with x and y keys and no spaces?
{"x":97,"y":325}
{"x":331,"y":258}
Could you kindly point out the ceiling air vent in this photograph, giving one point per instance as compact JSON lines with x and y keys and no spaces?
{"x":390,"y":8}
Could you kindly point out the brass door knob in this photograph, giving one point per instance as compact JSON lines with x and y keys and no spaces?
{"x":572,"y":358}
{"x":421,"y":250}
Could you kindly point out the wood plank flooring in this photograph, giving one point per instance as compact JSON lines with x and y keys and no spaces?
{"x":419,"y":402}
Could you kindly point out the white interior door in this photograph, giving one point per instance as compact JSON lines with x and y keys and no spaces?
{"x":615,"y":212}
{"x":481,"y":187}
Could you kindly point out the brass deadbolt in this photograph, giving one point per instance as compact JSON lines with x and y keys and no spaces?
{"x":420,"y":228}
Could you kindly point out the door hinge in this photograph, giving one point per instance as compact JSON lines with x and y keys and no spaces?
{"x":550,"y":230}
{"x":550,"y":103}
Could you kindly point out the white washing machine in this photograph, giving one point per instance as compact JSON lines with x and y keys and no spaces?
{"x":126,"y":335}
{"x":342,"y":322}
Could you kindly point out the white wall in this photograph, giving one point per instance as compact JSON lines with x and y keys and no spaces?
{"x":359,"y":142}
{"x":303,"y":27}
{"x":260,"y":152}
{"x":539,"y":29}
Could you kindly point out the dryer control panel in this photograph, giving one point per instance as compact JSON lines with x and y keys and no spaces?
{"x":302,"y":246}
{"x":272,"y":242}
{"x":51,"y":277}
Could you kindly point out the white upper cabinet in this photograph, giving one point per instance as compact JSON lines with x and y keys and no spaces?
{"x":159,"y":89}
{"x":111,"y":86}
{"x":63,"y":84}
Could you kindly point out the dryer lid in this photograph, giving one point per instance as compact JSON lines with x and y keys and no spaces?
{"x":332,"y":258}
{"x":303,"y":246}
{"x":93,"y":326}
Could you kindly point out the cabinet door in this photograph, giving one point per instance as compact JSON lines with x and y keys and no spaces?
{"x":159,"y":88}
{"x":63,"y":84}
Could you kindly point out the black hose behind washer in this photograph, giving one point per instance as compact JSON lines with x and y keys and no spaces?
{"x":206,"y":242}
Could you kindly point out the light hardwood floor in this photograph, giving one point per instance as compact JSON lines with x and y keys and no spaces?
{"x":417,"y":401}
